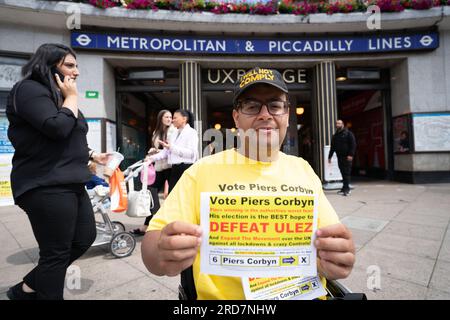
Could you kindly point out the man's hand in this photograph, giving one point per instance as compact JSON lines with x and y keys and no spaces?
{"x":336,"y":251}
{"x":176,"y":248}
{"x":349,"y":158}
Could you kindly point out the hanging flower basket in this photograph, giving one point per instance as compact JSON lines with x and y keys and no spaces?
{"x":271,"y":7}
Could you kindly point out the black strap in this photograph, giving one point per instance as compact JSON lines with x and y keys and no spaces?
{"x":187,"y":288}
{"x":350,"y":296}
{"x":354,"y":296}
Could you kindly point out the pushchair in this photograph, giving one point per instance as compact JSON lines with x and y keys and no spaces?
{"x":113,"y":233}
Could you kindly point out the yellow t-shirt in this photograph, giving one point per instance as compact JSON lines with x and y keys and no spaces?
{"x":225,"y":172}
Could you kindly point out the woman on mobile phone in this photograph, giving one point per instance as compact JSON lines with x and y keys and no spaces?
{"x":48,"y":133}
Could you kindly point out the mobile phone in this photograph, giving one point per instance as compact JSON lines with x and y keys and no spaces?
{"x":55,"y":70}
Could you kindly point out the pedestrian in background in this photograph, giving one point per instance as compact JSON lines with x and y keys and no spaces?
{"x":163,"y":132}
{"x":403,"y":144}
{"x":48,"y":133}
{"x":344,"y":144}
{"x":181,"y":151}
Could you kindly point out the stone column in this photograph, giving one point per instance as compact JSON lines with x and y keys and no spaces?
{"x":191,"y":94}
{"x":324,"y":111}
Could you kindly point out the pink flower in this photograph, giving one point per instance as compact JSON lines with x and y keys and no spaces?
{"x":272,"y":7}
{"x":103,"y":3}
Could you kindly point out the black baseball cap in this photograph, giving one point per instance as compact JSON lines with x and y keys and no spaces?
{"x":258,"y":75}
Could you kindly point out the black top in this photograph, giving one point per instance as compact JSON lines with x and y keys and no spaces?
{"x":50,"y":143}
{"x":404,"y":143}
{"x":343,"y":143}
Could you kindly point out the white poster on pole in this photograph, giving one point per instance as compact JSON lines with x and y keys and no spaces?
{"x":94,"y":136}
{"x":111,"y":141}
{"x":331,"y":170}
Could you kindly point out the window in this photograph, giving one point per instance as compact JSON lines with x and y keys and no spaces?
{"x":10,"y":73}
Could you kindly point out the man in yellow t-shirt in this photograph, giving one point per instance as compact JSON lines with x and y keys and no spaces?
{"x":261,"y":113}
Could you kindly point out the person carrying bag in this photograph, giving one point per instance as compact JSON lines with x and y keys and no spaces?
{"x":162,"y":132}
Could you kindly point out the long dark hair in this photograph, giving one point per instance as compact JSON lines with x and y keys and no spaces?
{"x":160,"y":130}
{"x":189,"y":115}
{"x":40,"y":66}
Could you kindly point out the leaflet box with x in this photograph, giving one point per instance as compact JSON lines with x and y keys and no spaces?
{"x":303,"y":260}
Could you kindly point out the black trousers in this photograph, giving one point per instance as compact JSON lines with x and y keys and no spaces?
{"x":64,"y":227}
{"x":345,"y":166}
{"x":161,"y":178}
{"x":156,"y":205}
{"x":176,"y":173}
{"x":157,"y":186}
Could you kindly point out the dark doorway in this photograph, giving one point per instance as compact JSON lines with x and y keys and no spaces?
{"x":138,"y":104}
{"x":363,"y":113}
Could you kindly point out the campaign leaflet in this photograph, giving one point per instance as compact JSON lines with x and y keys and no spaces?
{"x":258,"y":235}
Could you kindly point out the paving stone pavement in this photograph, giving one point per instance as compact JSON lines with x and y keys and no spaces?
{"x":401,"y":233}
